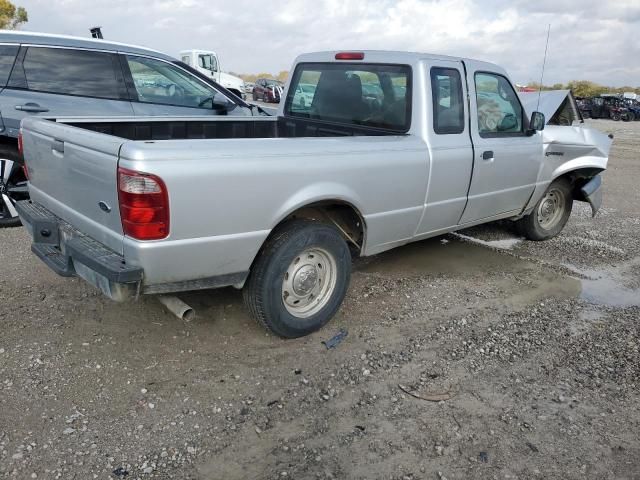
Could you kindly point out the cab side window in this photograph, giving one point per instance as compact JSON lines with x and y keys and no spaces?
{"x":499,"y":110}
{"x":448,"y":107}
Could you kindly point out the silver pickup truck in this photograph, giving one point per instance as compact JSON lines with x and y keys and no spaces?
{"x":383,"y":149}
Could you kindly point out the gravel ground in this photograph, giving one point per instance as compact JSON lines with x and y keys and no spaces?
{"x":467,"y":356}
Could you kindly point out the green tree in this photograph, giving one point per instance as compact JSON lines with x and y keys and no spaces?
{"x":11,"y":16}
{"x":585,"y":88}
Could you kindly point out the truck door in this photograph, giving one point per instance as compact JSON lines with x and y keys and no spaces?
{"x":507,"y":159}
{"x":450,"y":148}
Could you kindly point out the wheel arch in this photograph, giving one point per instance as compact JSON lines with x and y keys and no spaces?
{"x":332,"y":210}
{"x":577,"y":172}
{"x":578,"y":177}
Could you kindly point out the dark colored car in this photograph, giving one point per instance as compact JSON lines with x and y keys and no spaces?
{"x":604,"y":107}
{"x":55,"y":75}
{"x":633,"y":106}
{"x":267,"y":90}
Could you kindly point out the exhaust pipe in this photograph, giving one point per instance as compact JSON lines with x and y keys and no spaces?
{"x":177,"y":307}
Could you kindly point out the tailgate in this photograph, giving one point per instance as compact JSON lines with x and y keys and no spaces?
{"x":73,"y":173}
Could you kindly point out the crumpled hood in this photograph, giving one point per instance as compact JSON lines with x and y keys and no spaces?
{"x":550,"y":101}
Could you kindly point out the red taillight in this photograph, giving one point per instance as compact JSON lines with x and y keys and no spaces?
{"x":21,"y":152}
{"x":350,"y":56}
{"x":144,"y":205}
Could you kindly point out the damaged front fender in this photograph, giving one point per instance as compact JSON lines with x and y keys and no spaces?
{"x":592,"y":193}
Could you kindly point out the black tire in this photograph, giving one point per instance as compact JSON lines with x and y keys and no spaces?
{"x":12,"y":182}
{"x":615,"y":117}
{"x":255,"y":97}
{"x":265,"y":291}
{"x":534,"y":226}
{"x":627,"y":117}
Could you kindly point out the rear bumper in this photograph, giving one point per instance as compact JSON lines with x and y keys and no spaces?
{"x":69,"y":252}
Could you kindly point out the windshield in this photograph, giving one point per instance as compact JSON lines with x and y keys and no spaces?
{"x":208,"y":62}
{"x":370,"y":95}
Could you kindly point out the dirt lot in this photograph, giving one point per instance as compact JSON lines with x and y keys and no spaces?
{"x":536,"y":344}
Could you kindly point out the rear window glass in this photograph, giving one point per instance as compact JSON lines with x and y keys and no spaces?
{"x":7,"y":57}
{"x":448,"y":107}
{"x":362,"y":94}
{"x":72,"y":72}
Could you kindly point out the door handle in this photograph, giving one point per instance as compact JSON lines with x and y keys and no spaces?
{"x":488,"y":155}
{"x":57,"y":146}
{"x":31,"y":108}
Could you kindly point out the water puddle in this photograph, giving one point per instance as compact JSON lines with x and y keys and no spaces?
{"x":442,"y":256}
{"x":503,"y":244}
{"x":606,"y":287}
{"x":462,"y":255}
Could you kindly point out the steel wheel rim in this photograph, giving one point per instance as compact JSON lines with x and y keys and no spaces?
{"x":309,"y":282}
{"x":551,"y":208}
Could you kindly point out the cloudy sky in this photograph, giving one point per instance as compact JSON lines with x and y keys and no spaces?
{"x":590,"y":39}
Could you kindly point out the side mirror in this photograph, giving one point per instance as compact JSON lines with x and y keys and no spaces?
{"x":537,"y":122}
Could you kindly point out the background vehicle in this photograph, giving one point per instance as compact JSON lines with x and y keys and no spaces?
{"x":57,"y":75}
{"x":267,"y":90}
{"x":279,"y":205}
{"x":633,"y":108}
{"x":604,"y":106}
{"x":207,"y":62}
{"x":303,"y":95}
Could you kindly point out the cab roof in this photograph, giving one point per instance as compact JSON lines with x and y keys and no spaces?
{"x":394,"y":57}
{"x":36,"y":38}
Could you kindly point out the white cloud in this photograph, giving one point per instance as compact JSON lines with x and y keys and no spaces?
{"x":590,"y":39}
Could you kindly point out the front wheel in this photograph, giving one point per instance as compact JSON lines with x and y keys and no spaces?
{"x":615,"y":116}
{"x":299,"y":279}
{"x":550,"y":214}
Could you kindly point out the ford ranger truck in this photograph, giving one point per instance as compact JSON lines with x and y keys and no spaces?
{"x":391,"y":148}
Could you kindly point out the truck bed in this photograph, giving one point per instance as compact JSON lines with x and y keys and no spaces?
{"x":163,"y":128}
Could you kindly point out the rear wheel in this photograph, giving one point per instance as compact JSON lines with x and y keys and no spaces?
{"x":300,"y":278}
{"x":550,"y":214}
{"x":615,"y":116}
{"x":13,"y":184}
{"x":628,"y":116}
{"x":13,"y":187}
